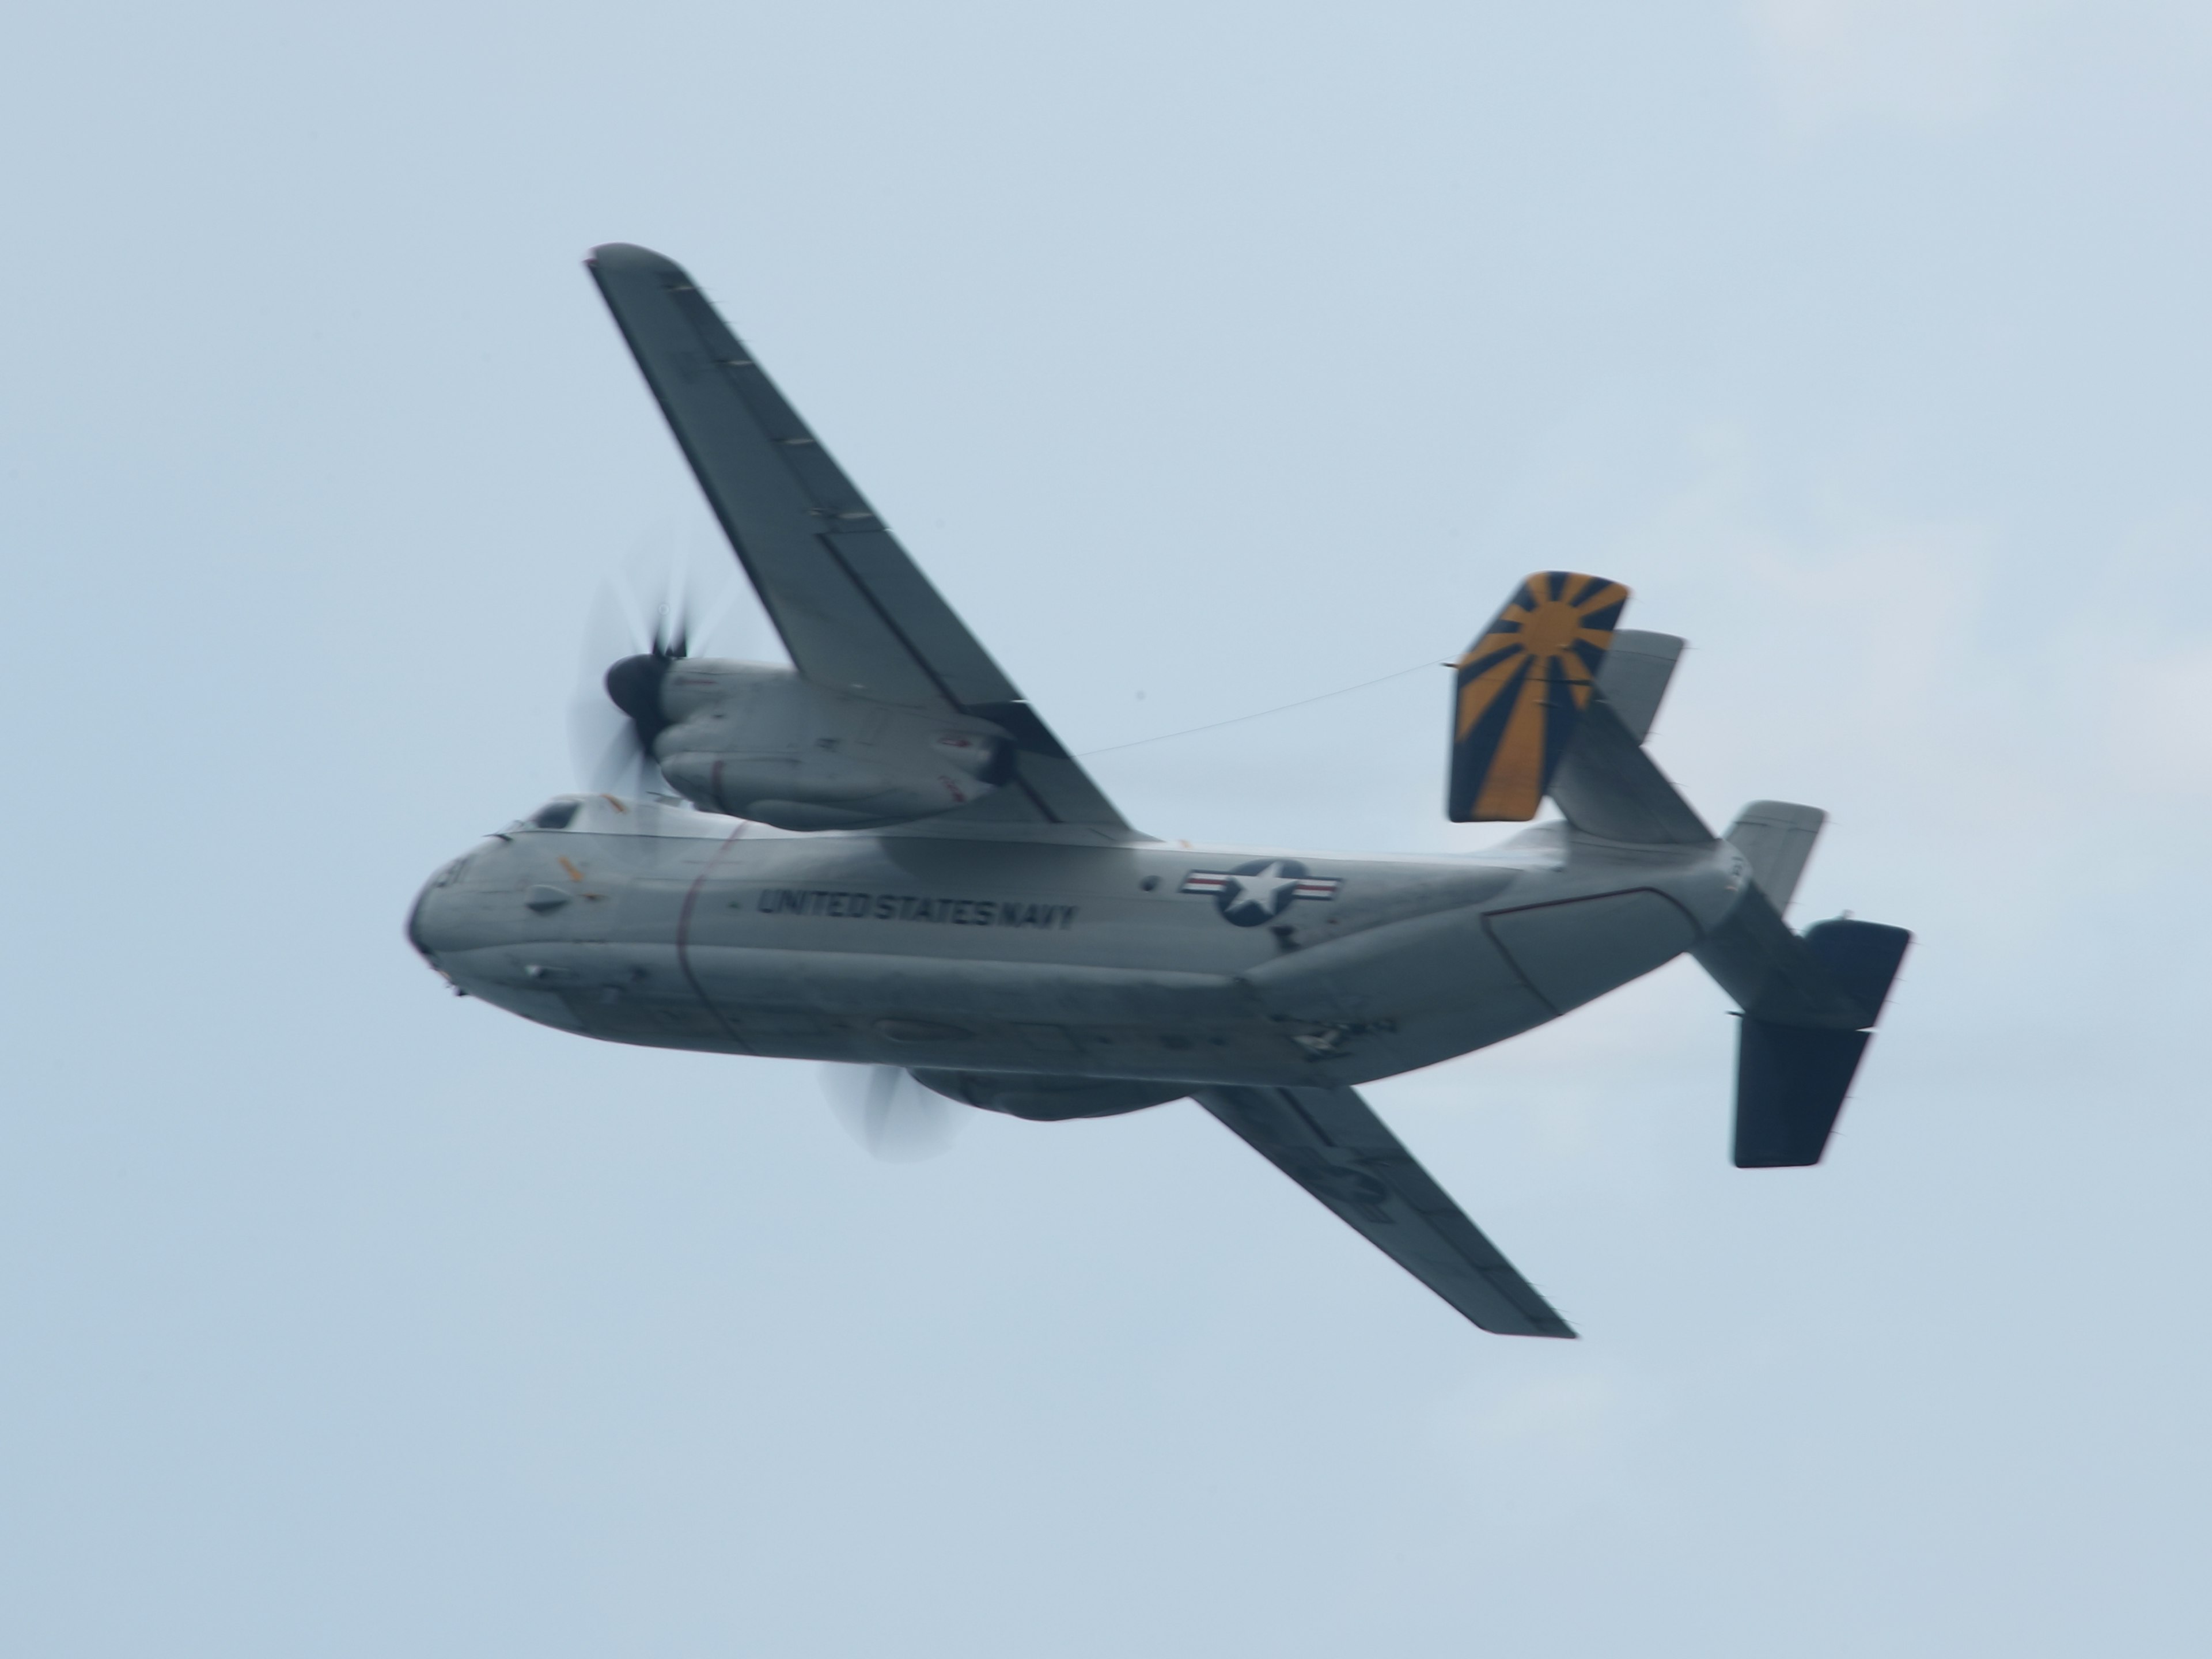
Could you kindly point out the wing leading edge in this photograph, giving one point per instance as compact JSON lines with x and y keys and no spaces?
{"x":1331,"y":1143}
{"x":855,"y":612}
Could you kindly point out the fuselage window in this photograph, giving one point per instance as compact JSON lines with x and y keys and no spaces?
{"x":554,"y":815}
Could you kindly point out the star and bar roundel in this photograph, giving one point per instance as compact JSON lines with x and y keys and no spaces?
{"x":1521,"y":689}
{"x":1260,"y":889}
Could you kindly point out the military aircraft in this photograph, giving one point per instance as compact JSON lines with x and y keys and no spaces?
{"x":881,"y":854}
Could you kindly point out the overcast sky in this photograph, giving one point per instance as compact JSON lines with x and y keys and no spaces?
{"x":1209,"y":356}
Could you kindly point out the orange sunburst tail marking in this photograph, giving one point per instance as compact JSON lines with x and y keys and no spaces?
{"x":1520,"y":690}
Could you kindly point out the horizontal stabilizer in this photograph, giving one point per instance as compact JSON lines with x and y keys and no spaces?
{"x":1771,"y":973}
{"x":1789,"y":1084}
{"x":1808,"y":1003}
{"x":1864,"y":957}
{"x":1331,"y":1143}
{"x":1777,"y":836}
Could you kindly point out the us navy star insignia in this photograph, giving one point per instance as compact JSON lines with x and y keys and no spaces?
{"x":1259,"y":890}
{"x":1263,"y":887}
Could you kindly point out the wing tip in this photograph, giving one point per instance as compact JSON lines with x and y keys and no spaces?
{"x":629,"y":257}
{"x":1546,"y":1323}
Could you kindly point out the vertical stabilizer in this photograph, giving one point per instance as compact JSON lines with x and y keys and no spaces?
{"x":1778,"y":837}
{"x":1635,"y":676}
{"x":1606,"y":785}
{"x":1522,"y":691}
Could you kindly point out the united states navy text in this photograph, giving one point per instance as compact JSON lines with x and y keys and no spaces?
{"x":913,"y":907}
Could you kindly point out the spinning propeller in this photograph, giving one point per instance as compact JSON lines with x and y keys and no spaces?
{"x":633,"y":639}
{"x":888,"y":1113}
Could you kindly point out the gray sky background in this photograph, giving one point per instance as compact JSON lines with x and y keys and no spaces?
{"x":1209,"y":355}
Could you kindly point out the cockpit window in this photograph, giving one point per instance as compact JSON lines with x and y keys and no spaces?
{"x":554,"y":815}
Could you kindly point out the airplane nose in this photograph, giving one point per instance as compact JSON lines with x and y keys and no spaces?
{"x":423,"y":916}
{"x":414,"y":920}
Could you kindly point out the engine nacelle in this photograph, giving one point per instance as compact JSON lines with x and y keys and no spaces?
{"x":1046,"y":1099}
{"x":758,"y":742}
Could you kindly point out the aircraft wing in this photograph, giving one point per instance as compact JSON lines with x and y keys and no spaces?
{"x":853,"y":610}
{"x":1331,"y":1143}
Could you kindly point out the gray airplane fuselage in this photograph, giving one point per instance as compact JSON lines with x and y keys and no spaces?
{"x":1051,"y":955}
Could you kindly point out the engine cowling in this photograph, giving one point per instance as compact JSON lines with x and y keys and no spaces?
{"x":1046,"y":1099}
{"x":758,"y":742}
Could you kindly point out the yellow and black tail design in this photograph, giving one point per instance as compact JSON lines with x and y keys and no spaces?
{"x":1521,"y":689}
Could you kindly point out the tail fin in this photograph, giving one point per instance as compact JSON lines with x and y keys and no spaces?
{"x":1790,"y":1080}
{"x":1522,"y":690}
{"x":1555,"y":700}
{"x":1605,"y":784}
{"x":1636,"y":675}
{"x":1777,"y":836}
{"x":1809,"y":1005}
{"x":1790,"y":1087}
